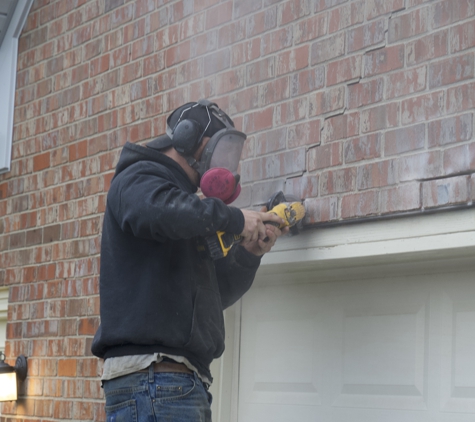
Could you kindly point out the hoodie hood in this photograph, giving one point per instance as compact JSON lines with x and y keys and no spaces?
{"x":132,"y":153}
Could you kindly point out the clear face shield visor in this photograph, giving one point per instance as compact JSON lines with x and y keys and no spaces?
{"x":219,"y":164}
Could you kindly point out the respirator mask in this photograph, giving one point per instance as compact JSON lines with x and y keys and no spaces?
{"x":219,"y":160}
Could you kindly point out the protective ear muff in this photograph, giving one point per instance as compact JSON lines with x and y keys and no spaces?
{"x":186,"y":136}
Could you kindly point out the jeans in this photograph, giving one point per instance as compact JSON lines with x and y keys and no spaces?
{"x":156,"y":397}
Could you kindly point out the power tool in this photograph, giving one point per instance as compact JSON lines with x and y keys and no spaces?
{"x":292,"y":212}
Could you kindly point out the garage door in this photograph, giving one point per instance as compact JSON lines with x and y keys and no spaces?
{"x":396,"y":349}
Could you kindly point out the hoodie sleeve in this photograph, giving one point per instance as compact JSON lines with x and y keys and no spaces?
{"x":235,"y":274}
{"x":151,"y":205}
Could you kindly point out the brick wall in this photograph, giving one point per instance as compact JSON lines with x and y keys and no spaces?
{"x":363,"y":107}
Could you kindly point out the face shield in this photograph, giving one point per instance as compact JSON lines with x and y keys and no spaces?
{"x":219,"y":163}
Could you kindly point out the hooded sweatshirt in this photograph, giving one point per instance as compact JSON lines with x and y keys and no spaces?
{"x":159,"y":290}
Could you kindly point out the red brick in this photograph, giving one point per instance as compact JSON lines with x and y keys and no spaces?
{"x":408,"y":25}
{"x":426,"y":48}
{"x":290,"y":111}
{"x":321,"y":5}
{"x":245,"y":52}
{"x":277,"y":40}
{"x":306,"y":133}
{"x":262,"y":21}
{"x":383,"y":60}
{"x":425,"y":165}
{"x":376,"y":8}
{"x":245,"y":7}
{"x":402,"y":140}
{"x":41,"y":161}
{"x":376,"y":175}
{"x":153,"y":64}
{"x":243,"y":100}
{"x":462,"y":37}
{"x":260,"y":71}
{"x":292,"y":10}
{"x":360,"y":204}
{"x":231,"y":33}
{"x":302,"y":187}
{"x":320,"y":210}
{"x":422,"y":108}
{"x":216,"y":62}
{"x":343,"y":70}
{"x":452,"y":70}
{"x":405,"y":197}
{"x":327,"y":49}
{"x":194,"y":69}
{"x":219,"y":15}
{"x":461,"y":98}
{"x":406,"y":82}
{"x":178,"y":53}
{"x":340,"y":127}
{"x":63,"y":409}
{"x":324,"y":156}
{"x":310,"y":29}
{"x":346,"y":16}
{"x":306,"y":81}
{"x":365,"y":36}
{"x":365,"y":93}
{"x":447,"y":191}
{"x":450,"y":11}
{"x":451,"y":130}
{"x":290,"y":162}
{"x":379,"y":117}
{"x":274,"y":91}
{"x":338,"y":181}
{"x":459,"y":159}
{"x":271,"y":141}
{"x":291,"y":61}
{"x":326,"y":101}
{"x":362,"y":148}
{"x":258,"y":120}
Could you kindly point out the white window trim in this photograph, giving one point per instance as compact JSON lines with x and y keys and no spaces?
{"x":8,"y":71}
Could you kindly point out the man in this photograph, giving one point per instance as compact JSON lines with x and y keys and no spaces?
{"x":162,"y":296}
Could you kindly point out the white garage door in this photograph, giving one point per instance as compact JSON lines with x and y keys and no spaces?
{"x":382,"y":350}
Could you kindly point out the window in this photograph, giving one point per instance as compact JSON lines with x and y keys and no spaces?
{"x":8,"y":63}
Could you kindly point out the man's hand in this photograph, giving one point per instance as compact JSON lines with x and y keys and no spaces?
{"x":258,"y":237}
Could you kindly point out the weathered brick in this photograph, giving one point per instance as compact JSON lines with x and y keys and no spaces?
{"x":302,"y":187}
{"x":402,"y":140}
{"x":245,"y":52}
{"x":426,"y":48}
{"x":408,"y":25}
{"x":310,"y":29}
{"x":450,"y":11}
{"x":461,"y":98}
{"x":365,"y":93}
{"x":338,"y":181}
{"x":452,"y":70}
{"x":321,"y":5}
{"x":459,"y":159}
{"x":231,"y":33}
{"x":307,"y":80}
{"x":306,"y":133}
{"x":291,"y":61}
{"x":405,"y":197}
{"x":292,"y":10}
{"x":276,"y":40}
{"x":324,"y":156}
{"x":259,"y":120}
{"x":424,"y":165}
{"x":260,"y":71}
{"x":290,"y":111}
{"x":447,"y":191}
{"x":376,"y":8}
{"x":262,"y":21}
{"x":320,"y":210}
{"x":462,"y":37}
{"x":327,"y":49}
{"x":379,"y":117}
{"x":422,"y":108}
{"x":406,"y":82}
{"x":218,"y":15}
{"x":326,"y":101}
{"x":365,"y":36}
{"x":383,"y":60}
{"x":346,"y":16}
{"x":245,"y":7}
{"x":376,"y":175}
{"x":340,"y":127}
{"x":362,"y":148}
{"x":361,"y":204}
{"x":273,"y":91}
{"x":450,"y":130}
{"x":343,"y":70}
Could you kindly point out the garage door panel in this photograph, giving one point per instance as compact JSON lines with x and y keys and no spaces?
{"x":458,"y":348}
{"x":387,"y":350}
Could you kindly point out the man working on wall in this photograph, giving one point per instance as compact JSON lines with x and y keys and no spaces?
{"x":162,"y":297}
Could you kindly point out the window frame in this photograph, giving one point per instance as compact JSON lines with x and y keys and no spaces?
{"x":8,"y":73}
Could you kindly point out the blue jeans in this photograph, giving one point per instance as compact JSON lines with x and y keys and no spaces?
{"x":156,"y":397}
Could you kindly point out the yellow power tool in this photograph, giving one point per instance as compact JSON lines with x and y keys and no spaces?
{"x":220,"y":244}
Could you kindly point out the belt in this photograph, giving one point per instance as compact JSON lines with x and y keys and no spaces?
{"x":167,"y":366}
